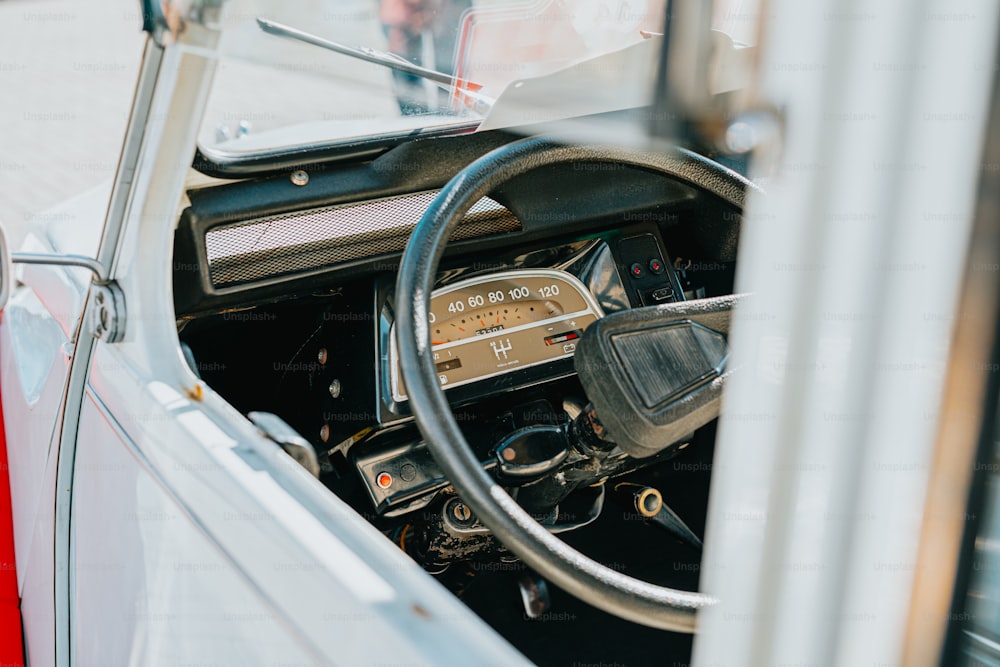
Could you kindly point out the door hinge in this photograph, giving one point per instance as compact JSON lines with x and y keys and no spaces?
{"x":107,"y":312}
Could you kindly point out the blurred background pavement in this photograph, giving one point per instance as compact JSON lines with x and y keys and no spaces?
{"x":67,"y":73}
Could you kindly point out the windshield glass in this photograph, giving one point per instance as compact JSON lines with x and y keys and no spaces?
{"x":334,"y":71}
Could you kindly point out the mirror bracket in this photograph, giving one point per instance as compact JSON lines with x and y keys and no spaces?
{"x":106,"y":315}
{"x":89,"y":263}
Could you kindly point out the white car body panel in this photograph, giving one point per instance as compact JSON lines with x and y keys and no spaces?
{"x":143,"y":568}
{"x":34,"y":363}
{"x":36,"y":331}
{"x":38,"y":326}
{"x":38,"y":614}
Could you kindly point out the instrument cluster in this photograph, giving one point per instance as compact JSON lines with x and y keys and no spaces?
{"x":491,"y":325}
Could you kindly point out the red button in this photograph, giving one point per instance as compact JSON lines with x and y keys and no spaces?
{"x":384,"y":480}
{"x":656,"y":266}
{"x":636,"y":270}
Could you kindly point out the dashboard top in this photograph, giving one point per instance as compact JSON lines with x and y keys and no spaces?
{"x":543,"y":204}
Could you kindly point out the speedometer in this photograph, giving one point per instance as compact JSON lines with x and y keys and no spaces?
{"x":496,"y":324}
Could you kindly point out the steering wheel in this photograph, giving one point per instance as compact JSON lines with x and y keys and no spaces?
{"x":598,"y":585}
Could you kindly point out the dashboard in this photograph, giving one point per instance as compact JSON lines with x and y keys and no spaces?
{"x":502,"y":326}
{"x":306,"y":330}
{"x":503,"y":335}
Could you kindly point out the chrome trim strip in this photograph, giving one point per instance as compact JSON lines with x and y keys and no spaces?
{"x":152,"y":59}
{"x":82,"y":355}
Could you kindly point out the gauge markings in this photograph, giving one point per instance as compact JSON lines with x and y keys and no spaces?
{"x":485,"y":319}
{"x":497,"y":306}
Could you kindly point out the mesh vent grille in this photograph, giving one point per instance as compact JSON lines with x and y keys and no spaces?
{"x":292,"y":242}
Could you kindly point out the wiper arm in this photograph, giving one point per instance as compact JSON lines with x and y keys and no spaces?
{"x":390,"y":60}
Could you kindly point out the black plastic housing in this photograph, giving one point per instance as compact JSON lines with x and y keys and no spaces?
{"x":656,"y":374}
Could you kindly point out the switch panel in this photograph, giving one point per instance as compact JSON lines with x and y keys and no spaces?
{"x":650,"y":278}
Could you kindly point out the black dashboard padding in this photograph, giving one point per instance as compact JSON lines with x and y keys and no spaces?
{"x":656,"y":374}
{"x":700,"y":196}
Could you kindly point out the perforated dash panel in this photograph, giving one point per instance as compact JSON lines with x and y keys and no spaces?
{"x":277,"y":245}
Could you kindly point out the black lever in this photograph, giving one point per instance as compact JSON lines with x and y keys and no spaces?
{"x":534,"y":594}
{"x":649,"y":504}
{"x":531,"y":452}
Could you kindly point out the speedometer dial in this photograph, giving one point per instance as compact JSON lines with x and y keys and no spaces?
{"x":493,"y":319}
{"x":496,"y":324}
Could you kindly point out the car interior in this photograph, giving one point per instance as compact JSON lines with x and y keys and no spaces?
{"x":575,"y":338}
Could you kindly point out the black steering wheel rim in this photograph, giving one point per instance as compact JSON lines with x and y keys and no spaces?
{"x":609,"y":590}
